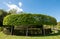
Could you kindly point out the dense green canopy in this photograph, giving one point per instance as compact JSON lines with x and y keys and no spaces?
{"x":29,"y":19}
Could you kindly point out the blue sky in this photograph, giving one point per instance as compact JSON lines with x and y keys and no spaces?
{"x":49,"y":7}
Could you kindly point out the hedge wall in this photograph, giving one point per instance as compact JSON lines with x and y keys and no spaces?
{"x":29,"y":19}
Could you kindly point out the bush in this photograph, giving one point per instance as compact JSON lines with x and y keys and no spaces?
{"x":1,"y":29}
{"x":7,"y":30}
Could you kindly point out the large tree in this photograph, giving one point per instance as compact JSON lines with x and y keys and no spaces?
{"x":29,"y":19}
{"x":2,"y":15}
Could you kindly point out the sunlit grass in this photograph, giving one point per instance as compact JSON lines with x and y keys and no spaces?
{"x":3,"y":36}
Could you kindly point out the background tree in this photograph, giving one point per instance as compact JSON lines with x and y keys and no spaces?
{"x":14,"y":11}
{"x":2,"y":15}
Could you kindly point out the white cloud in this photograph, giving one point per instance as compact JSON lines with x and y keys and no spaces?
{"x":13,"y":6}
{"x":20,"y":4}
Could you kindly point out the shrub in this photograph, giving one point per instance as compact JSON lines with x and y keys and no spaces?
{"x":1,"y":29}
{"x":7,"y":30}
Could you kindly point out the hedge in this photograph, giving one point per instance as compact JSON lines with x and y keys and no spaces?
{"x":29,"y":19}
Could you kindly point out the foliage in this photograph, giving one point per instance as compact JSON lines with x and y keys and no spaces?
{"x":2,"y":15}
{"x":1,"y":29}
{"x":7,"y":30}
{"x":29,"y":19}
{"x":58,"y":26}
{"x":12,"y":11}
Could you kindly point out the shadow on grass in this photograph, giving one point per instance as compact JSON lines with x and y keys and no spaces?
{"x":39,"y":35}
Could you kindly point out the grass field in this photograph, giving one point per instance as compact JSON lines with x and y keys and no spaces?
{"x":3,"y":36}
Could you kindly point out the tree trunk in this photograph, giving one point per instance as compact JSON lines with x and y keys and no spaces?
{"x":12,"y":30}
{"x":27,"y":31}
{"x":43,"y":31}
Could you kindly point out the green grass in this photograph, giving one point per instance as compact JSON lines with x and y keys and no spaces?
{"x":3,"y":36}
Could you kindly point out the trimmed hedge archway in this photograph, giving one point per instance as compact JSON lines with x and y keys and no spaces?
{"x":27,"y":20}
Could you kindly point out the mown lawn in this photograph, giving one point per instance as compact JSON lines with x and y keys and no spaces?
{"x":3,"y":36}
